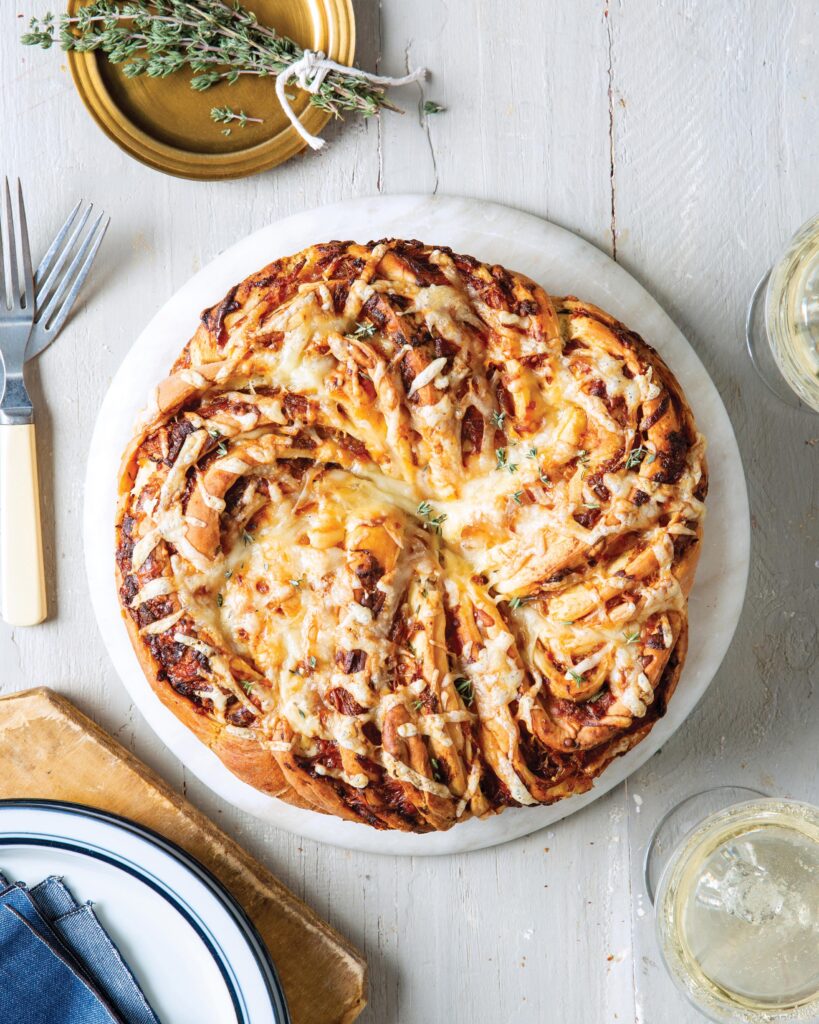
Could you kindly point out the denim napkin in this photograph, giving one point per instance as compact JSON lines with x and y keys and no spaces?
{"x":57,"y":963}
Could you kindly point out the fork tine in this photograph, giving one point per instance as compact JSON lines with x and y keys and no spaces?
{"x":3,"y":246}
{"x":13,"y":292}
{"x":75,"y":276}
{"x":28,"y":279}
{"x":54,"y":248}
{"x":54,"y":272}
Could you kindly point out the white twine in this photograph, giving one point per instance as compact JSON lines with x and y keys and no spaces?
{"x":310,"y":71}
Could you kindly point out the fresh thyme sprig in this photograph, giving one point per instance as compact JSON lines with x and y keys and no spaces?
{"x":431,"y":522}
{"x":502,"y":461}
{"x":365,"y":330}
{"x":227,"y":115}
{"x":216,"y":41}
{"x":636,"y":456}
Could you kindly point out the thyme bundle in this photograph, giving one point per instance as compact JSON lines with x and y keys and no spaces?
{"x":215,"y":41}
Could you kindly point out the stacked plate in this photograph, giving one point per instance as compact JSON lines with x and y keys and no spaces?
{"x":193,"y":950}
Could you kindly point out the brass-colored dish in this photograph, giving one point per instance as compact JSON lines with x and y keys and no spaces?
{"x":167,"y":125}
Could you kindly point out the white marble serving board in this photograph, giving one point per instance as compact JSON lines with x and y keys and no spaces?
{"x":564,"y":264}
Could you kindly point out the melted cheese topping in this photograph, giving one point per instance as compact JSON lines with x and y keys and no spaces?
{"x":400,"y":563}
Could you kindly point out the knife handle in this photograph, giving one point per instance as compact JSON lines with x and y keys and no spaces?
{"x":22,"y":581}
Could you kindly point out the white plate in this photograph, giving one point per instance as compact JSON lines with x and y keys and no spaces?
{"x":193,"y":950}
{"x":563,"y":264}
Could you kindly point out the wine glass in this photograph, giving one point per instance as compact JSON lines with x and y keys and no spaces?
{"x":782,"y":325}
{"x":734,"y":879}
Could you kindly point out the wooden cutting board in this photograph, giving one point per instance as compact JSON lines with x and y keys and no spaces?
{"x":50,"y":750}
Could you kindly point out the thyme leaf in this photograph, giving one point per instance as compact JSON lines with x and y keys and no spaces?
{"x":464,"y":688}
{"x":636,"y":456}
{"x":362,"y":330}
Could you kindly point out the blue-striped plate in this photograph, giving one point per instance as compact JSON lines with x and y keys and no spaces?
{"x":194,"y":951}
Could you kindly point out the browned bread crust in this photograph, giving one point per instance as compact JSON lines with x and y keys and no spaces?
{"x":404,"y":539}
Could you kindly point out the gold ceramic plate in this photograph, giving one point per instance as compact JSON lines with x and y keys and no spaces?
{"x":167,"y":125}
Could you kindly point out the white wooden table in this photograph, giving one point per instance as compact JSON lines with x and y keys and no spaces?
{"x":680,"y":136}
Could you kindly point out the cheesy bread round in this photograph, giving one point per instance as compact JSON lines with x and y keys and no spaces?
{"x":404,"y":539}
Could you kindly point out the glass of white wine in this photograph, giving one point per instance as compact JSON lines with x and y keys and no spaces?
{"x":736,"y":897}
{"x":782,"y":326}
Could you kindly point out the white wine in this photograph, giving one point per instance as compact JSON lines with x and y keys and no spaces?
{"x":792,"y":313}
{"x":738,"y":913}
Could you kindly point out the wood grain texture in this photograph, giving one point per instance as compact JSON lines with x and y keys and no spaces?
{"x":51,"y":751}
{"x":684,"y":132}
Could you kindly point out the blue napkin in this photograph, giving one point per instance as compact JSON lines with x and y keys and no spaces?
{"x":57,"y":963}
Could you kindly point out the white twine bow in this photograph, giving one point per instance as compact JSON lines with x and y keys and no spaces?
{"x":311,"y":69}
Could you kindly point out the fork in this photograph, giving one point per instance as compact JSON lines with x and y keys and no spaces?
{"x":55,"y":289}
{"x":22,"y":584}
{"x":33,"y":312}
